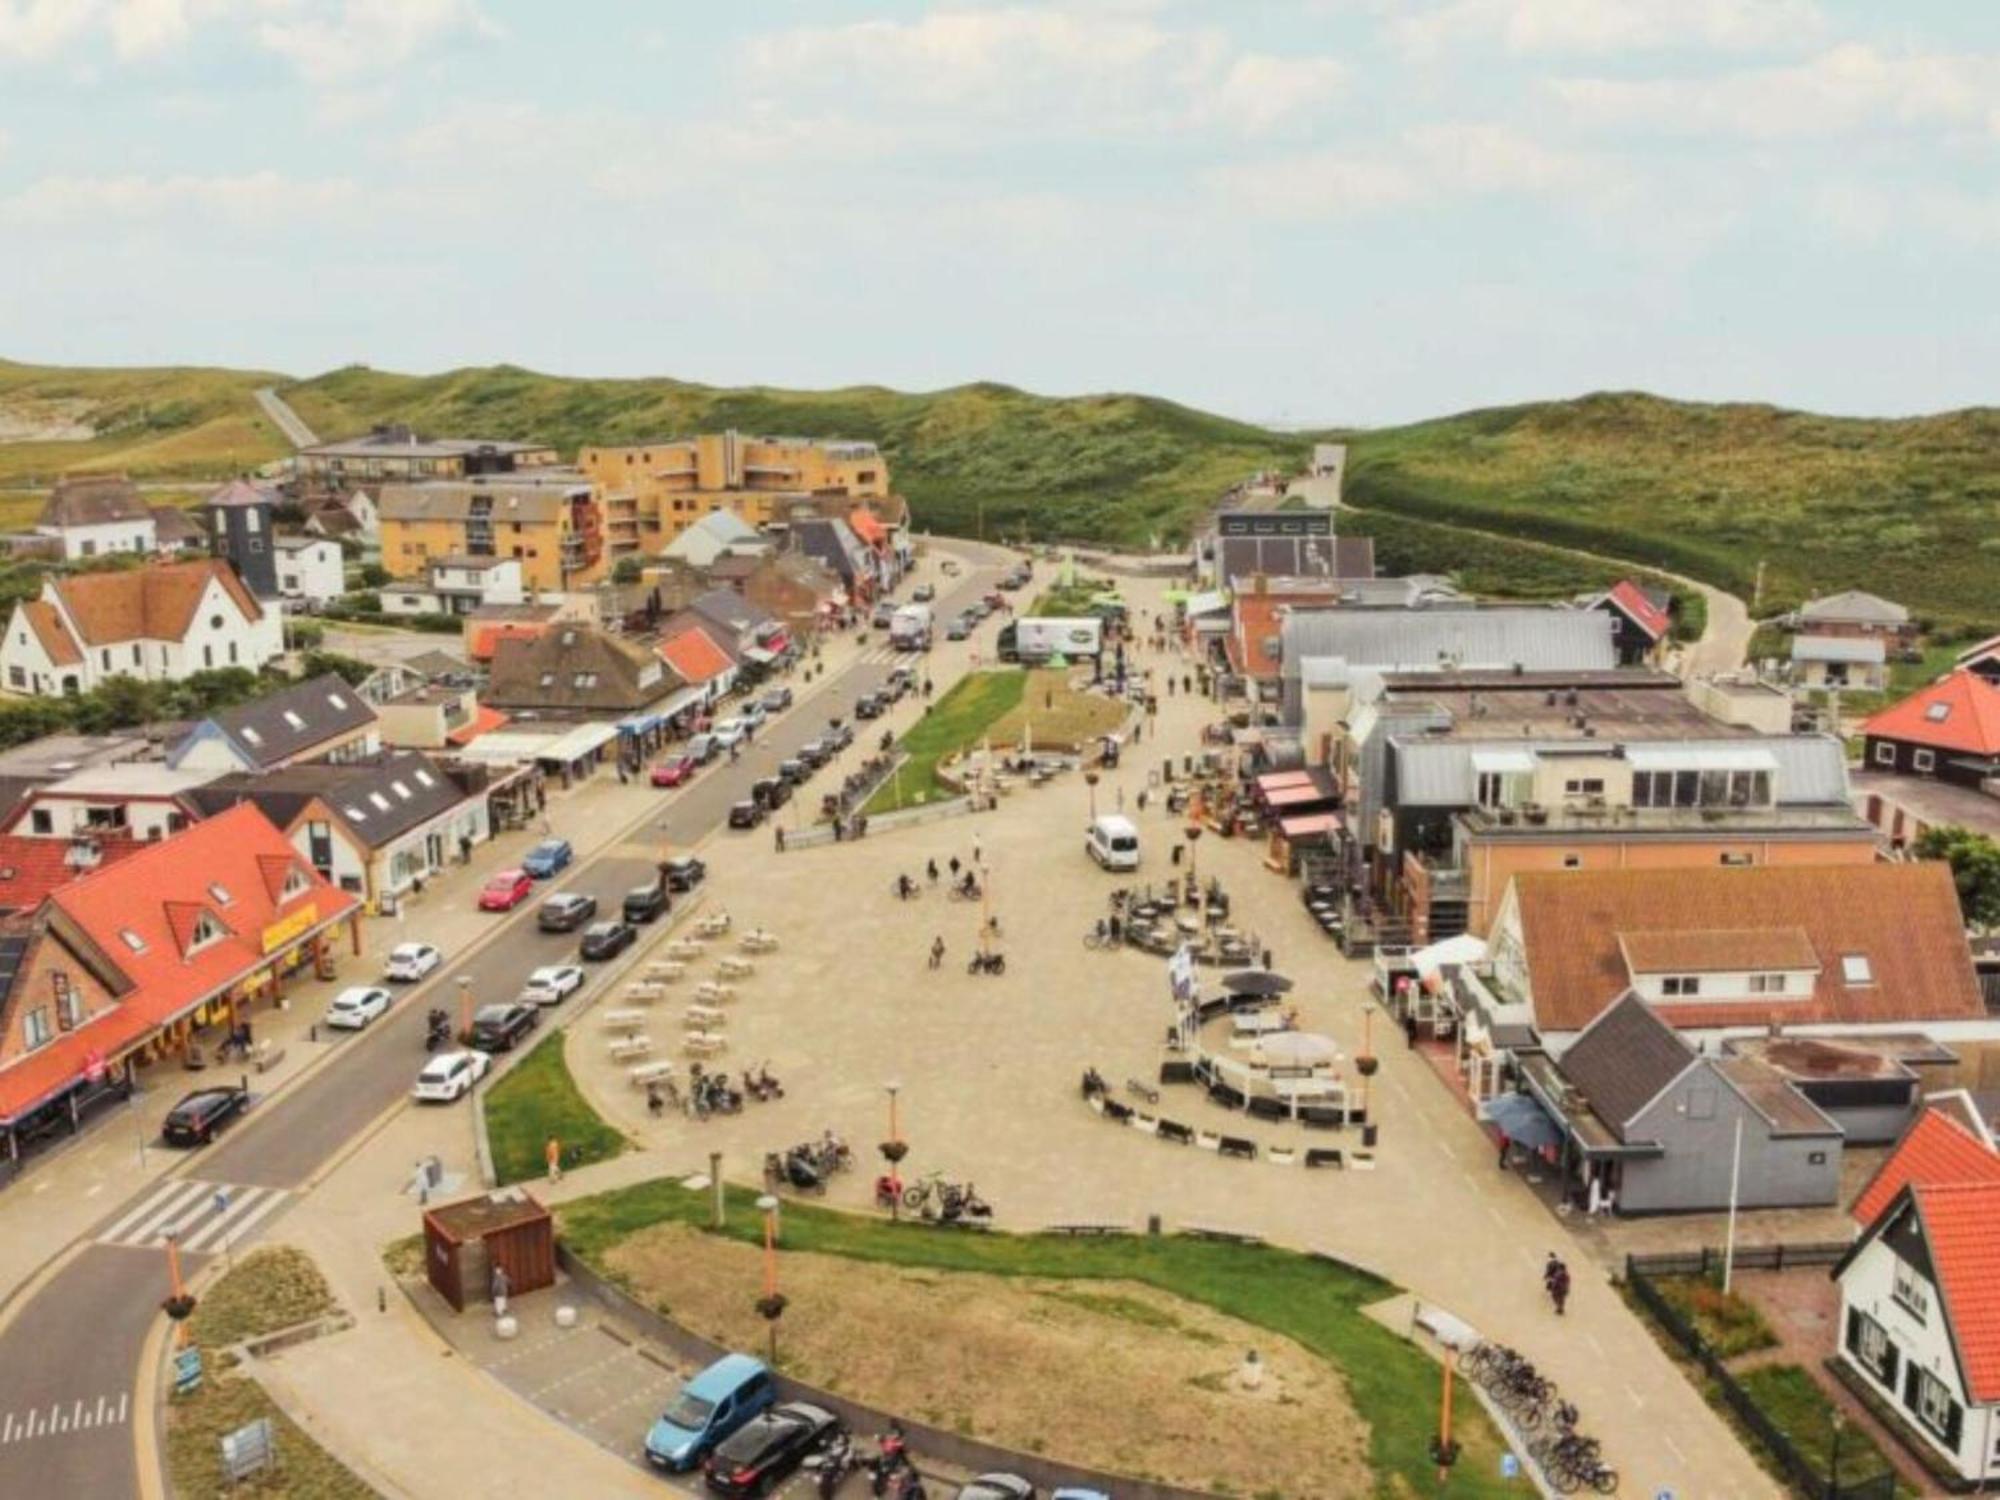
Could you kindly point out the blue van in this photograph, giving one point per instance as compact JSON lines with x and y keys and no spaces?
{"x":710,"y":1407}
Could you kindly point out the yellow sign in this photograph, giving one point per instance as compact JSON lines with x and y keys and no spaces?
{"x":286,"y":929}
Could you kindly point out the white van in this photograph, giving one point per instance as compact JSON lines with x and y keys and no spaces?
{"x":1114,"y":843}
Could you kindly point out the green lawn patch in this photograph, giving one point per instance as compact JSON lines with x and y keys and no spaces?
{"x":1731,"y":1325}
{"x":1070,"y":600}
{"x":957,"y":721}
{"x":1803,"y":1412}
{"x":1317,"y":1303}
{"x":197,"y":1423}
{"x":537,"y":1099}
{"x":273,"y":1287}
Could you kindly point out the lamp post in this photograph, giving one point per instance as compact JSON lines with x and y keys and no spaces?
{"x":179,"y":1304}
{"x":771,"y":1306}
{"x":1194,"y":876}
{"x":1090,"y":780}
{"x":894,"y":1149}
{"x":1365,"y":1061}
{"x":465,"y":1007}
{"x":1444,"y":1452}
{"x":1833,"y":1459}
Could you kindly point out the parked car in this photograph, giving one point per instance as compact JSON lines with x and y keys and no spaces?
{"x":199,"y":1115}
{"x":552,"y":984}
{"x":729,"y":734}
{"x":771,"y":792}
{"x":793,"y":772}
{"x":409,"y":962}
{"x":603,"y":940}
{"x":644,"y":903}
{"x":901,"y":680}
{"x":870,"y":706}
{"x":814,"y":753}
{"x":449,"y":1076}
{"x":958,"y":629}
{"x":997,"y":1487}
{"x":708,"y":1409}
{"x":702,"y":748}
{"x":505,"y":891}
{"x":884,"y":613}
{"x":776,"y":700}
{"x":839,"y":735}
{"x":675,"y":770}
{"x":355,"y":1006}
{"x":923,"y":593}
{"x":685,"y":873}
{"x":746,"y":814}
{"x":497,"y":1028}
{"x":752,"y":715}
{"x":566,"y":911}
{"x":547,"y":858}
{"x":763,"y":1452}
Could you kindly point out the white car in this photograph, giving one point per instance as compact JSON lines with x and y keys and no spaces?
{"x":450,"y":1075}
{"x":552,"y":984}
{"x":409,"y":962}
{"x":354,"y":1007}
{"x":729,"y":734}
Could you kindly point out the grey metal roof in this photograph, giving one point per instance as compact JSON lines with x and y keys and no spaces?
{"x":1623,"y":1059}
{"x":1848,"y":648}
{"x":379,"y":799}
{"x":1811,"y":768}
{"x":1855,"y":604}
{"x":289,"y":723}
{"x":1531,"y":638}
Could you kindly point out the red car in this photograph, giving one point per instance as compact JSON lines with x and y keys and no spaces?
{"x":506,"y":891}
{"x":674,"y":770}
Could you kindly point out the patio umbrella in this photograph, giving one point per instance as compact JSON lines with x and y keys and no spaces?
{"x":1259,"y":982}
{"x":1297,"y":1049}
{"x":1522,"y":1121}
{"x":1463,"y":949}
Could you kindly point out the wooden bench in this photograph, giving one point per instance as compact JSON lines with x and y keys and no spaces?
{"x":643,"y":992}
{"x":648,"y":1073}
{"x":758,"y":941}
{"x":710,"y":992}
{"x":627,"y":1048}
{"x":1237,"y":1146}
{"x":684,"y":948}
{"x":1083,"y":1230}
{"x":705,"y":1044}
{"x":664,"y":971}
{"x":623,"y":1020}
{"x":1319,"y":1158}
{"x":735,"y":968}
{"x":703,"y":1018}
{"x":1179,"y":1134}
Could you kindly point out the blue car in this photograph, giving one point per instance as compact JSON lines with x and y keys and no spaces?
{"x":709,"y":1408}
{"x":547,"y":857}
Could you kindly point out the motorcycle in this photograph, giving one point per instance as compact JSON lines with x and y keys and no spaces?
{"x":987,"y":963}
{"x":710,"y":1094}
{"x":802,"y":1172}
{"x":892,"y":1456}
{"x":761,"y":1085}
{"x":437,"y":1029}
{"x":834,"y":1154}
{"x":832,"y":1464}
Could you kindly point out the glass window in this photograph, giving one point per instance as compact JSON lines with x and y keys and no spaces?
{"x":1885,"y":753}
{"x":1855,"y":969}
{"x":1923,"y":760}
{"x":1714,"y":788}
{"x":35,"y":1029}
{"x":1911,"y":1291}
{"x":1686,"y":785}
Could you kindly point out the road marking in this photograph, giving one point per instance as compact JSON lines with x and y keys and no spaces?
{"x":1679,"y":1451}
{"x":218,"y":1224}
{"x":118,"y":1231}
{"x":7,"y":1436}
{"x":1637,"y":1399}
{"x":187,"y":1209}
{"x":57,"y":1420}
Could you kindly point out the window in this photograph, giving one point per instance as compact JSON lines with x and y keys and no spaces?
{"x":16,"y":677}
{"x":89,"y":549}
{"x":295,"y":884}
{"x":1681,"y":984}
{"x":138,"y":655}
{"x":1588,"y":786}
{"x":215,"y":622}
{"x":1735,"y":859}
{"x":1767,"y":984}
{"x":41,"y":820}
{"x":1911,"y":1291}
{"x":1923,"y":760}
{"x":105,"y":657}
{"x":252,"y":736}
{"x":1885,"y":753}
{"x":1855,"y":968}
{"x":1937,"y":713}
{"x":251,"y":520}
{"x":1868,"y":1341}
{"x":69,"y":1004}
{"x":1572,"y":861}
{"x":35,"y":1028}
{"x":132,"y":940}
{"x":1815,"y":1158}
{"x":206,"y":930}
{"x":294,"y":720}
{"x":232,"y":653}
{"x":1930,"y":1401}
{"x":220,"y":892}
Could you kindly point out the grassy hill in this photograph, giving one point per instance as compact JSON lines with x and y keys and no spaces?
{"x":1909,"y":509}
{"x":1108,"y":468}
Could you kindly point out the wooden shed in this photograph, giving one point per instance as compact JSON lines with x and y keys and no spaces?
{"x":464,"y":1241}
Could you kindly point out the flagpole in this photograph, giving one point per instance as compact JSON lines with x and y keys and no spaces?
{"x":1735,"y":1176}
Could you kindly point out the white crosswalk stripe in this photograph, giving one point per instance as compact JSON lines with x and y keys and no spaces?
{"x":203,"y":1216}
{"x":60,"y":1417}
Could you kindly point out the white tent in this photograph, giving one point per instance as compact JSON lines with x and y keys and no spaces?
{"x":1450,"y":953}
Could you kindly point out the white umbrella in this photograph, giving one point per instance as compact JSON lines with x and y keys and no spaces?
{"x":1452,"y":951}
{"x":1297,"y":1049}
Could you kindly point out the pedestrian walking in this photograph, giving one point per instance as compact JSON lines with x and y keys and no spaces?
{"x":1170,"y":687}
{"x":1559,"y":1288}
{"x":931,"y":870}
{"x":1187,"y":683}
{"x":1121,"y":799}
{"x":937,"y":952}
{"x":954,"y":867}
{"x":552,"y":1154}
{"x":780,"y":834}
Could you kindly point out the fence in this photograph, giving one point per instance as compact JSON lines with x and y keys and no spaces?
{"x":1805,"y":1477}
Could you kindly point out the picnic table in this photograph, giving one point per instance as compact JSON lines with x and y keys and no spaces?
{"x":624,"y":1020}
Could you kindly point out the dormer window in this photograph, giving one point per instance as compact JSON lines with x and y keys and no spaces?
{"x":206,"y":930}
{"x":296,"y":884}
{"x":1680,"y":986}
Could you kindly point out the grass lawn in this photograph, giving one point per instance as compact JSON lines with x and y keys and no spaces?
{"x":961,"y":718}
{"x":1393,"y":1385}
{"x":1796,"y":1405}
{"x":272,"y":1287}
{"x":1059,"y":716}
{"x":197,"y":1423}
{"x":1731,"y":1325}
{"x":1070,"y":600}
{"x":538,"y":1099}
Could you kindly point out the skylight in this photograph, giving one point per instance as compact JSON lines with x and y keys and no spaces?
{"x":252,"y":735}
{"x":355,"y":813}
{"x":132,"y":940}
{"x":424,"y":778}
{"x":381,"y":802}
{"x":1937,"y":713}
{"x":220,"y":892}
{"x":1855,"y":968}
{"x":400,"y":789}
{"x":294,"y":720}
{"x":337,"y":701}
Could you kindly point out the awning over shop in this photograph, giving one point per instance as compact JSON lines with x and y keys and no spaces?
{"x":585,"y":739}
{"x":1668,"y":757}
{"x":509,"y":746}
{"x":1522,"y":1121}
{"x":1314,"y":826}
{"x":1214,"y":602}
{"x":1278,"y":780}
{"x":1299,"y":797}
{"x":1502,"y":762}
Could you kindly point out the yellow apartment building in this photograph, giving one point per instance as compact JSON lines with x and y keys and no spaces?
{"x":549,"y":519}
{"x":655,"y":491}
{"x":395,"y":454}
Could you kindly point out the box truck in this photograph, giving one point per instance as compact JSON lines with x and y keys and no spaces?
{"x":1034,"y":640}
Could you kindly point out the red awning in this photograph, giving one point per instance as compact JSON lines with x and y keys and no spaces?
{"x":1314,"y":826}
{"x":484,"y":721}
{"x":1279,"y":780}
{"x":1298,"y":796}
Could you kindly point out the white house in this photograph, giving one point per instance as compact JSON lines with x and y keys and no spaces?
{"x":142,"y":800}
{"x":160,"y":623}
{"x":458,"y":586}
{"x":310,"y":569}
{"x":98,"y":515}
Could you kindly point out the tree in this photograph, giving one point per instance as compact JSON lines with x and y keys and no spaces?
{"x":628,"y":570}
{"x":374,"y":576}
{"x":318,"y":663}
{"x":1975,"y":868}
{"x":120,"y":702}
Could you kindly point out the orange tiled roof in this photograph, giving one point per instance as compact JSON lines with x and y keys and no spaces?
{"x":1962,"y":1229}
{"x":30,"y":867}
{"x":694,"y":656}
{"x":1958,"y":712}
{"x":1935,"y":1149}
{"x":486,"y":638}
{"x":1260,"y":619}
{"x":151,"y":603}
{"x":1904,"y":919}
{"x":47,"y":623}
{"x":484,"y":721}
{"x":1643,"y":612}
{"x":865,"y":526}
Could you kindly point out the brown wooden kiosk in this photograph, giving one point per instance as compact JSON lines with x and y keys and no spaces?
{"x":464,"y":1241}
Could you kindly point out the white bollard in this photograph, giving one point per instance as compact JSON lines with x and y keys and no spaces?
{"x":566,"y":1316}
{"x":506,"y":1327}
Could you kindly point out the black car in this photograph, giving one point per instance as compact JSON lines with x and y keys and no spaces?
{"x":901,"y":681}
{"x":685,"y":873}
{"x":870,"y":706}
{"x":566,"y":912}
{"x":923,"y":593}
{"x":776,"y":700}
{"x":958,"y":629}
{"x":195,"y":1120}
{"x":793,"y":772}
{"x":602,"y":940}
{"x":643,"y":903}
{"x":496,"y":1028}
{"x":763,"y":1452}
{"x":814,"y":754}
{"x":839,"y":736}
{"x":771,"y":792}
{"x":746,"y":814}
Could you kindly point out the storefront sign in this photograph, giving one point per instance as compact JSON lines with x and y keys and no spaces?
{"x":289,"y":929}
{"x":187,"y":1371}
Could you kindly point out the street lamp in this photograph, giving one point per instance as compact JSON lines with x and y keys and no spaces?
{"x":1833,"y":1463}
{"x":1194,"y":876}
{"x":465,"y":1007}
{"x":179,"y":1304}
{"x":1365,"y":1061}
{"x":894,"y":1149}
{"x":1090,"y":780}
{"x":771,"y":1306}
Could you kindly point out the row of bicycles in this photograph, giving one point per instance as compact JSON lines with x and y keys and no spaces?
{"x":1572,"y":1461}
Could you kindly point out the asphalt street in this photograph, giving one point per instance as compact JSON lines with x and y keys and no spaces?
{"x":72,"y":1352}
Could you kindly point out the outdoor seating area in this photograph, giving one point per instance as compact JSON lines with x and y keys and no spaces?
{"x":1237,"y":1147}
{"x":1181,"y":913}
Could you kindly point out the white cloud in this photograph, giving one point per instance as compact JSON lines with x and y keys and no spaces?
{"x":1608,"y":27}
{"x":1260,"y":92}
{"x":249,"y":198}
{"x":1847,"y":88}
{"x":31,"y":30}
{"x":337,"y":43}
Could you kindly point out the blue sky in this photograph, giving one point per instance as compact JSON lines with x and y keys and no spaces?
{"x":1314,"y":210}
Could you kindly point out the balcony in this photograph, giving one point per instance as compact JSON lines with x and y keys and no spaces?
{"x":1584,"y":818}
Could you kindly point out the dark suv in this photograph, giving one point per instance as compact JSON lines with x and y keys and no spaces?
{"x":195,"y":1120}
{"x":643,"y":903}
{"x":566,"y":912}
{"x":746,"y":814}
{"x":771,"y":792}
{"x":496,"y":1028}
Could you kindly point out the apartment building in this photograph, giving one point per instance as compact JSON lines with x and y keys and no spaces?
{"x":394,"y":454}
{"x":655,"y":491}
{"x":549,"y":520}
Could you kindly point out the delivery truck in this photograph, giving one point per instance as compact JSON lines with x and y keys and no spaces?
{"x":1035,"y":640}
{"x":910,"y":628}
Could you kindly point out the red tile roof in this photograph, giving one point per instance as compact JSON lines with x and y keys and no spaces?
{"x":1962,"y":1230}
{"x":1643,"y":612}
{"x":1259,"y":621}
{"x":1904,"y":919}
{"x":486,"y":638}
{"x":1935,"y":1149}
{"x":865,"y":526}
{"x":155,"y":603}
{"x":31,"y":868}
{"x":484,"y":721}
{"x":150,"y":895}
{"x":1958,"y":712}
{"x":47,"y":622}
{"x":695,"y":656}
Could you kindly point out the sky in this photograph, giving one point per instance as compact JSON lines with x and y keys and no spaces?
{"x":1305,"y":211}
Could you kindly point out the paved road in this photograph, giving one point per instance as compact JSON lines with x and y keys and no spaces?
{"x":286,"y":420}
{"x":80,"y":1337}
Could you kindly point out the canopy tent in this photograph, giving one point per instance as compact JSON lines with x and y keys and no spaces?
{"x":1297,"y":1049}
{"x":582,"y":741}
{"x":1522,"y":1121}
{"x":1298,"y":797}
{"x":1278,"y":781}
{"x":1256,"y":982}
{"x":1312,"y":826}
{"x":1450,"y":952}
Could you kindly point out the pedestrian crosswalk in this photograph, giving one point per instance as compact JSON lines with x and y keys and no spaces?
{"x":205,"y":1218}
{"x":66,"y":1415}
